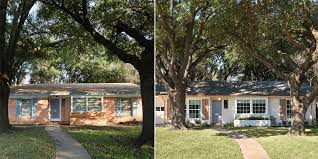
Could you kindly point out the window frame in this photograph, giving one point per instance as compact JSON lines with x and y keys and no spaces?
{"x":198,"y":109}
{"x":20,"y":105}
{"x":251,"y":99}
{"x":121,"y":112}
{"x":227,"y":104}
{"x":86,"y":103}
{"x":254,"y":101}
{"x":290,"y":109}
{"x":249,"y":110}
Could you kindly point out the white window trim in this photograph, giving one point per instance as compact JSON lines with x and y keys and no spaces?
{"x":187,"y":109}
{"x":86,"y":107}
{"x":251,"y":105}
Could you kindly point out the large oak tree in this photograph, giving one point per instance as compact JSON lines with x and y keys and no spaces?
{"x":13,"y":15}
{"x":125,"y":28}
{"x":282,"y":35}
{"x":183,"y":41}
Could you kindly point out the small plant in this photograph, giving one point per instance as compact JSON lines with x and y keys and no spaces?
{"x":229,"y":125}
{"x":198,"y":122}
{"x":205,"y":125}
{"x":306,"y":123}
{"x":273,"y":121}
{"x":286,"y":123}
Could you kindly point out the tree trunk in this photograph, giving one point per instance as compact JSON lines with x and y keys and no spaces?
{"x":146,"y":73}
{"x":298,"y":111}
{"x":177,"y":98}
{"x":4,"y":97}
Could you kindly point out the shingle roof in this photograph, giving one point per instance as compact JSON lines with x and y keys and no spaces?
{"x":76,"y":88}
{"x":254,"y":88}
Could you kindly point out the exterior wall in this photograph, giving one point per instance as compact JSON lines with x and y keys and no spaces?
{"x":42,"y":113}
{"x":228,"y":115}
{"x":66,"y":110}
{"x":276,"y":107}
{"x":107,"y":116}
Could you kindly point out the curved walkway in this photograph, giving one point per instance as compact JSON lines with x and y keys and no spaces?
{"x":249,"y":147}
{"x":66,"y":146}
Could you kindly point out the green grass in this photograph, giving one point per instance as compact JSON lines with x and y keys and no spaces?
{"x":205,"y":143}
{"x":110,"y":142}
{"x":281,"y":146}
{"x":26,"y":143}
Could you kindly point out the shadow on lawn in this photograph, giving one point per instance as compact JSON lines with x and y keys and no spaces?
{"x":261,"y":132}
{"x":254,"y":132}
{"x":111,"y":141}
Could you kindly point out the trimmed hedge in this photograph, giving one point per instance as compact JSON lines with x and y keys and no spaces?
{"x":253,"y":118}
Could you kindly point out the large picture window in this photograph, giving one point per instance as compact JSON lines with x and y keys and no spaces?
{"x":243,"y":106}
{"x":288,"y":109}
{"x":195,"y":109}
{"x":90,"y":104}
{"x":26,"y":107}
{"x":259,"y":106}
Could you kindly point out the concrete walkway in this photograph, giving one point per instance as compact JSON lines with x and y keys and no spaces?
{"x":66,"y":146}
{"x":249,"y":147}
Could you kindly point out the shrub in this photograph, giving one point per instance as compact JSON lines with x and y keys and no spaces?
{"x":286,"y":123}
{"x":198,"y":122}
{"x":228,"y":125}
{"x":273,"y":121}
{"x":205,"y":125}
{"x":253,"y":118}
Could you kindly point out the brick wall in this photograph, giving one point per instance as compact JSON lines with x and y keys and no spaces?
{"x":106,"y":117}
{"x":42,"y":113}
{"x":205,"y":109}
{"x":282,"y":109}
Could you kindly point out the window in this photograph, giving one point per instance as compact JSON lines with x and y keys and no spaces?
{"x":288,"y":109}
{"x":158,"y":108}
{"x":125,"y":105}
{"x":259,"y":106}
{"x":94,"y":104}
{"x":90,"y":104}
{"x":194,"y":108}
{"x":243,"y":106}
{"x":26,"y":107}
{"x":79,"y":104}
{"x":226,"y":104}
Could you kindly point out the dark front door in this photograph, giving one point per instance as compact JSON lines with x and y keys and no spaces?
{"x":55,"y":109}
{"x":216,"y":111}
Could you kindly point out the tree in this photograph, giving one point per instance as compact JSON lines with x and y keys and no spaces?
{"x":283,"y":36}
{"x":66,"y":65}
{"x":125,"y":28}
{"x":9,"y":36}
{"x":182,"y":42}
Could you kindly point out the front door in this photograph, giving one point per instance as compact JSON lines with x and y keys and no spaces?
{"x":55,"y":109}
{"x":216,"y":111}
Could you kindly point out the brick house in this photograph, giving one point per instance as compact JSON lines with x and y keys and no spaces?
{"x":223,"y":102}
{"x":75,"y":104}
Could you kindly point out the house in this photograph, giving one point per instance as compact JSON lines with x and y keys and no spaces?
{"x":75,"y":104}
{"x":223,"y":102}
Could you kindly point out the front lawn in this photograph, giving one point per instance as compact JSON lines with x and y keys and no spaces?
{"x":205,"y":143}
{"x":110,"y":142}
{"x":26,"y":143}
{"x":281,"y":146}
